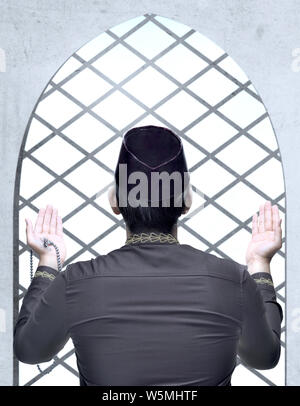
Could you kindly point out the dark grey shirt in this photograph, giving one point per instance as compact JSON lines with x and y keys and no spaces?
{"x":152,"y":313}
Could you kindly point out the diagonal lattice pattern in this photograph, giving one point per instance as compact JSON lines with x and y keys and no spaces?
{"x":149,"y":70}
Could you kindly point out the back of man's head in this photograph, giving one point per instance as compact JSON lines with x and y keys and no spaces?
{"x":151,"y":179}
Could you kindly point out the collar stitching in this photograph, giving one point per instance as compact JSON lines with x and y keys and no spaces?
{"x":151,"y":237}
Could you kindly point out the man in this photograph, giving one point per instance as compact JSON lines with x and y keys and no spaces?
{"x":155,"y":311}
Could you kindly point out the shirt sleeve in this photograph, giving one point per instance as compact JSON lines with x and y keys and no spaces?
{"x":259,"y":344}
{"x":41,"y":330}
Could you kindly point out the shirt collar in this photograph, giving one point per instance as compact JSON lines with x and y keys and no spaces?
{"x":152,"y":237}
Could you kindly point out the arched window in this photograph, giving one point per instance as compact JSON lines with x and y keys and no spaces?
{"x":148,"y":70}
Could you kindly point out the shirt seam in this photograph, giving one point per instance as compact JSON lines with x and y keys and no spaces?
{"x":154,"y":276}
{"x":67,"y":318}
{"x":242,"y":300}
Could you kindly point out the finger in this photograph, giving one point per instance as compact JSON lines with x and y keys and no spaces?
{"x":59,"y":226}
{"x":38,"y":228}
{"x":276,"y":221}
{"x":47,"y":218}
{"x":29,"y":228}
{"x":52,"y":229}
{"x":254,"y":224}
{"x":261,"y":220}
{"x":268,"y":216}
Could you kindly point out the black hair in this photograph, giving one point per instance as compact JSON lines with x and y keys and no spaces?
{"x":151,"y":219}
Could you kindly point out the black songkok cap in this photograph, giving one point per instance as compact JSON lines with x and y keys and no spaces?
{"x":151,"y":149}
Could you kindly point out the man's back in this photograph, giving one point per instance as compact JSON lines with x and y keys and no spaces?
{"x":153,"y":313}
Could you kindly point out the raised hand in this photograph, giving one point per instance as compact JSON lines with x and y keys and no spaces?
{"x":266,"y":235}
{"x":48,"y":225}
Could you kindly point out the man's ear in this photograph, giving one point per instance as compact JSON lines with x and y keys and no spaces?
{"x":188,"y":199}
{"x":113,"y":199}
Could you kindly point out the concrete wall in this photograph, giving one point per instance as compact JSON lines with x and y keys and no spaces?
{"x":36,"y":37}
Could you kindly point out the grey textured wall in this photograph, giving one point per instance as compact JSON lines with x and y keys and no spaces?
{"x":36,"y":38}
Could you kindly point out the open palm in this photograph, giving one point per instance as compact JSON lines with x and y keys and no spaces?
{"x":266,"y":234}
{"x":48,"y":225}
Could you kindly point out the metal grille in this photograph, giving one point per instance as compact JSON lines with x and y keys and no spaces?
{"x":149,"y":70}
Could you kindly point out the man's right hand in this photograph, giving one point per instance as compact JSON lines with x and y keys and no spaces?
{"x":266,"y":238}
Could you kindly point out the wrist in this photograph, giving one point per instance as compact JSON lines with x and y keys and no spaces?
{"x":48,"y":260}
{"x":258,"y":265}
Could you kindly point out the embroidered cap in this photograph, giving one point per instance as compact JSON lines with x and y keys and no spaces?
{"x":151,"y":168}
